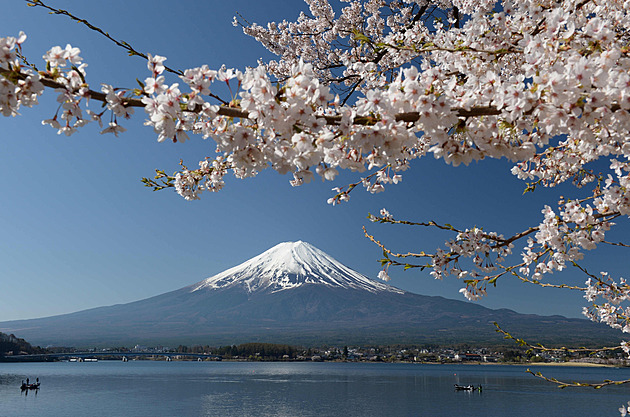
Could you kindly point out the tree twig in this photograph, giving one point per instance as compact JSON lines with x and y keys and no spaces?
{"x":543,"y":348}
{"x":125,"y":45}
{"x":562,"y":384}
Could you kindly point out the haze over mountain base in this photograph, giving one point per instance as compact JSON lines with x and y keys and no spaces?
{"x":295,"y":293}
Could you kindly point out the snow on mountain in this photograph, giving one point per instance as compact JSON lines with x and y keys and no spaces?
{"x":290,"y":265}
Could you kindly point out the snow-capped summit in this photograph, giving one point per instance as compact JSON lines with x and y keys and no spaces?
{"x":290,"y":265}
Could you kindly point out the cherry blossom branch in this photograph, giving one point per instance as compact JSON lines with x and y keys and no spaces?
{"x":585,"y":271}
{"x":391,"y":220}
{"x":122,"y":44}
{"x":513,"y":270}
{"x":542,"y":348}
{"x":617,"y":244}
{"x":562,"y":384}
{"x":479,"y":243}
{"x":389,"y":252}
{"x":49,"y":82}
{"x":499,"y":241}
{"x":125,"y":45}
{"x":421,"y":50}
{"x":236,"y":112}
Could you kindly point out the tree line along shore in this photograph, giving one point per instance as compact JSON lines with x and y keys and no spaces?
{"x":13,"y":348}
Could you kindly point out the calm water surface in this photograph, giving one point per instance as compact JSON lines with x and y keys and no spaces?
{"x":230,"y":389}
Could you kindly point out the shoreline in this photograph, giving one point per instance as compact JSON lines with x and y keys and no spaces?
{"x":574,"y":364}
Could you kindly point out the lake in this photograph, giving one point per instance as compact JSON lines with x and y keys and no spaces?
{"x":230,"y":389}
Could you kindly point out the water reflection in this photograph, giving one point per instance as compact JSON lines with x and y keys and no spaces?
{"x":25,"y":391}
{"x":297,"y":389}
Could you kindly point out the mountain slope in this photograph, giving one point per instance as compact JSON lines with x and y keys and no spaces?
{"x":295,"y":293}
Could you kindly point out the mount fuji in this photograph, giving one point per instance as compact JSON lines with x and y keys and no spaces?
{"x":292,"y":265}
{"x":295,"y":293}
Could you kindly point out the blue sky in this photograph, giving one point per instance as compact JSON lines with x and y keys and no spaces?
{"x":79,"y":230}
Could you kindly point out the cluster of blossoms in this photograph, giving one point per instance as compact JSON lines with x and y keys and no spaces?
{"x":485,"y":251}
{"x":508,"y":84}
{"x":610,"y":312}
{"x":65,"y":72}
{"x":62,"y":68}
{"x":21,"y":91}
{"x":544,"y":84}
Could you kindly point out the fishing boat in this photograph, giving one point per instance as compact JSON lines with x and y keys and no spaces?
{"x":466,"y":387}
{"x":25,"y":386}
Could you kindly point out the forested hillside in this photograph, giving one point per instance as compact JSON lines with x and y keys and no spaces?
{"x":11,"y":345}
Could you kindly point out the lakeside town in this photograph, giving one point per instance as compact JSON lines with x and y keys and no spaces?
{"x":13,"y":349}
{"x":391,"y":354}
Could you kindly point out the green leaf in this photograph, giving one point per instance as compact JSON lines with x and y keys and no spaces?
{"x":360,"y":37}
{"x":80,"y":73}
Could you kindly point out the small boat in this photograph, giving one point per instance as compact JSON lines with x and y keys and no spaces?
{"x":466,"y":387}
{"x":24,"y":386}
